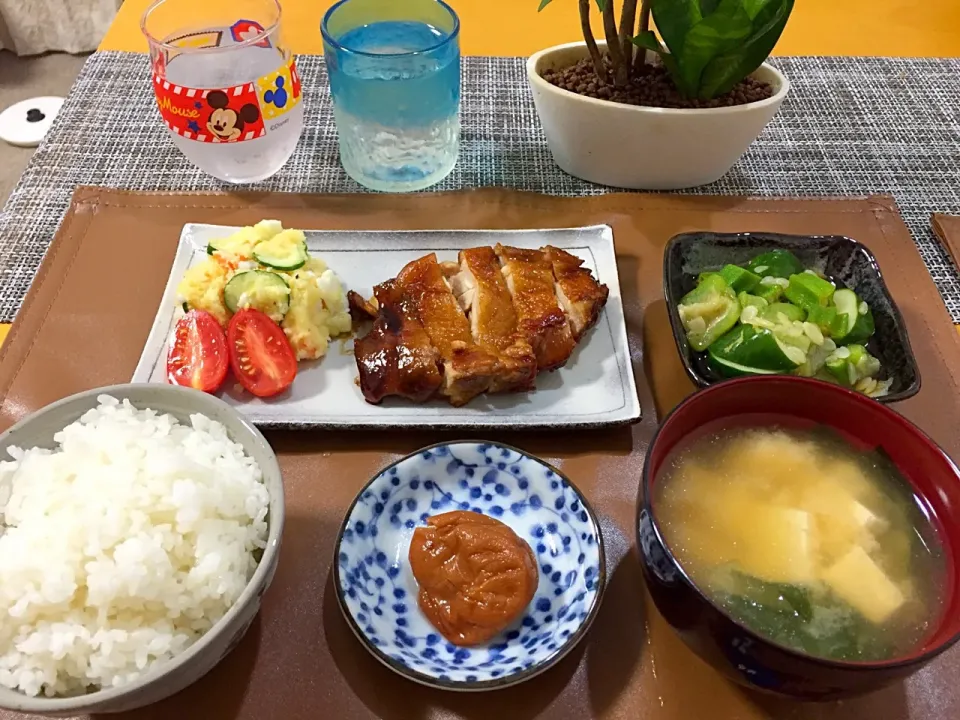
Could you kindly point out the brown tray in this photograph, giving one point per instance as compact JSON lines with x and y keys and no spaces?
{"x":87,"y":316}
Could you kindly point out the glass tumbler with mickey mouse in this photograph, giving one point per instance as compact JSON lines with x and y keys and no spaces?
{"x":226,"y":84}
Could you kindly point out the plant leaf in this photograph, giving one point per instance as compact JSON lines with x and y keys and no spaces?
{"x":601,"y":4}
{"x":714,"y":44}
{"x":724,"y":71}
{"x":648,"y":41}
{"x":543,"y":4}
{"x":753,"y":7}
{"x":708,"y":6}
{"x":723,"y":31}
{"x":674,"y":19}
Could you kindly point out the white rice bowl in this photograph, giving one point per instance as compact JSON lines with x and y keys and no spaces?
{"x":122,"y":547}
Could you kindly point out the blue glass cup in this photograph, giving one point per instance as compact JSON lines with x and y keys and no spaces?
{"x":394,"y":71}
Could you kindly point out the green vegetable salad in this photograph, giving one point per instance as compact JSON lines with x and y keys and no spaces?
{"x":774,"y":316}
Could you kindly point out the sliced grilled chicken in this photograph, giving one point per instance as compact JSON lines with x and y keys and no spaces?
{"x":449,"y":268}
{"x":540,"y":319}
{"x":396,"y":357}
{"x":464,"y":288}
{"x":361,"y":309}
{"x":487,"y":323}
{"x":580,"y":295}
{"x":482,"y":293}
{"x":468,"y":369}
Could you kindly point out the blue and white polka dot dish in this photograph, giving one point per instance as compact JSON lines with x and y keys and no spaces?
{"x":378,"y":593}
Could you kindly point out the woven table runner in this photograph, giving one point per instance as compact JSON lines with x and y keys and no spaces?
{"x":850,"y":126}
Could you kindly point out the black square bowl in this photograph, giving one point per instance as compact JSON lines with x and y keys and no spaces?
{"x":846,"y":262}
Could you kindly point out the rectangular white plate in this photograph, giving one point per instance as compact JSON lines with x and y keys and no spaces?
{"x":595,"y":388}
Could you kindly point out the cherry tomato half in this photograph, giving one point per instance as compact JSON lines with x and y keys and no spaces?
{"x":260,"y":354}
{"x":198,"y":355}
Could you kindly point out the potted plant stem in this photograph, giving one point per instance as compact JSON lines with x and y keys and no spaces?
{"x":642,"y":111}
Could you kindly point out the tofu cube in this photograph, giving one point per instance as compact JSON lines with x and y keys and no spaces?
{"x":858,"y":580}
{"x":776,"y":544}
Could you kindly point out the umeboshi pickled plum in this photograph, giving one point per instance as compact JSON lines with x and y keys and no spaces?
{"x":476,"y":575}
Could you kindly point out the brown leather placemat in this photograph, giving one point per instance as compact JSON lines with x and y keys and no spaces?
{"x":88,"y":314}
{"x":947,"y":230}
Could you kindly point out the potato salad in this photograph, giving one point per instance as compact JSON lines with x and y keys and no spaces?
{"x":269,"y":269}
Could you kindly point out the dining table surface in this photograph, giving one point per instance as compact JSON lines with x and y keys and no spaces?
{"x":813,"y":150}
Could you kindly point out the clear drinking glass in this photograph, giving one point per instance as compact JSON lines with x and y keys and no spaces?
{"x":226,"y":84}
{"x":394,"y":72}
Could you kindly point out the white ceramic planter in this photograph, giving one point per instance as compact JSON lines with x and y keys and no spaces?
{"x":644,"y":148}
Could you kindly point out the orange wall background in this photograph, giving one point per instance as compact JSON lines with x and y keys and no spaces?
{"x":927,"y":28}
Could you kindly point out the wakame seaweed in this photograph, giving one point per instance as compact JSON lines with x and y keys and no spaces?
{"x":789,"y":615}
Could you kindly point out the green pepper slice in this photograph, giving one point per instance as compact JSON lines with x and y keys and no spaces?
{"x":852,"y":363}
{"x":769,"y":293}
{"x":827,"y":319}
{"x":774,"y":311}
{"x":748,"y":300}
{"x":708,"y":311}
{"x":776,"y":263}
{"x":807,"y":291}
{"x":740,"y":279}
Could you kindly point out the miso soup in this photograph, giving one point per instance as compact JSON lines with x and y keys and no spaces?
{"x":804,"y":539}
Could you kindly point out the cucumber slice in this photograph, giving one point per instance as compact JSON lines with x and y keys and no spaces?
{"x":848,"y":306}
{"x":757,"y":349}
{"x":284,"y":251}
{"x":258,"y":289}
{"x":856,"y":326}
{"x":728,"y":368}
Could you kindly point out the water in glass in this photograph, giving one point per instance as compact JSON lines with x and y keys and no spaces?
{"x":396,"y":96}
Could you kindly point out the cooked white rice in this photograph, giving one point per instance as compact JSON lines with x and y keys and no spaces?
{"x":121,"y":547}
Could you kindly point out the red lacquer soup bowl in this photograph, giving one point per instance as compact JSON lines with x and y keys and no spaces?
{"x":733,"y":649}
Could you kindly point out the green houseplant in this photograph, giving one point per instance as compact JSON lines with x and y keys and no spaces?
{"x":708,"y":46}
{"x":680,"y":87}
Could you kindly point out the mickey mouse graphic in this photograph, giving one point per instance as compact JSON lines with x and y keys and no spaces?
{"x":226,"y":123}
